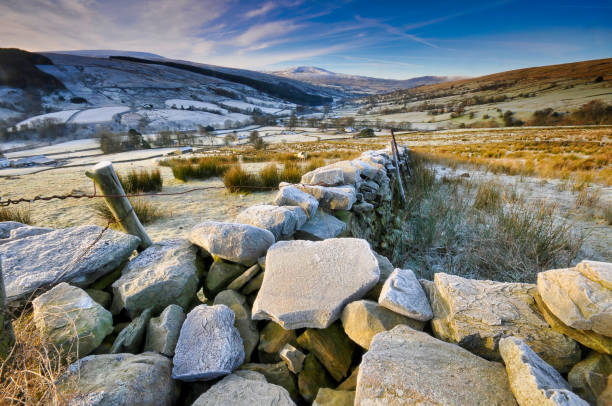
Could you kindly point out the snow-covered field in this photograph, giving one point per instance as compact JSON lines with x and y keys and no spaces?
{"x":189,"y":119}
{"x":99,"y":115}
{"x":248,"y":106}
{"x":58,"y":116}
{"x":180,"y":103}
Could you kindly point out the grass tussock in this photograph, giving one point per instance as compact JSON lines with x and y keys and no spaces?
{"x":18,"y":214}
{"x":146,"y":211}
{"x":237,"y":179}
{"x":483,"y":233}
{"x":202,"y":168}
{"x":141,"y":181}
{"x":29,"y":374}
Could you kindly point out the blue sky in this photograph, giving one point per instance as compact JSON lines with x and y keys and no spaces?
{"x":393,"y":39}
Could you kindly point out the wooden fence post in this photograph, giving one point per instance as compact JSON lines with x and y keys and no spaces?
{"x":106,"y":179}
{"x":397,"y":168}
{"x":7,"y":338}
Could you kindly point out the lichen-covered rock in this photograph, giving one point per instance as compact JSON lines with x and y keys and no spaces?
{"x":163,"y":331}
{"x":320,"y":227}
{"x":404,"y":364}
{"x":475,"y":314}
{"x":71,"y":319}
{"x":403,"y":294}
{"x":244,"y":388}
{"x":209,"y":345}
{"x":234,"y":242}
{"x":66,"y":255}
{"x":331,"y":346}
{"x":131,"y":338}
{"x":533,"y":381}
{"x":312,"y":378}
{"x":363,"y":319}
{"x":331,"y":397}
{"x":246,"y":327}
{"x":293,"y":357}
{"x":301,"y":290}
{"x":588,"y":377}
{"x":292,"y":196}
{"x":220,"y":275}
{"x":119,"y":380}
{"x":278,"y":374}
{"x":282,"y":221}
{"x":331,"y":198}
{"x":273,"y":338}
{"x":161,"y":275}
{"x":578,"y":301}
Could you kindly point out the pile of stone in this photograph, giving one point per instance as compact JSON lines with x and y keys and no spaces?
{"x":285,"y":306}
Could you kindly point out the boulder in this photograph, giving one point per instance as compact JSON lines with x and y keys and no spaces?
{"x":312,"y":378}
{"x":404,"y":364}
{"x":292,"y":196}
{"x":370,"y":170}
{"x":386,"y":269}
{"x":71,"y":319}
{"x":403,"y":294}
{"x":363,"y":319}
{"x":273,"y":338}
{"x":244,"y":278}
{"x":590,"y":339}
{"x":119,"y":380}
{"x":220,"y":275}
{"x":579,"y":302}
{"x":332,"y":198}
{"x":331,"y":397}
{"x":209,"y":346}
{"x":73,"y":255}
{"x":533,"y":381}
{"x":282,"y":221}
{"x":476,"y":313}
{"x":244,"y":388}
{"x":131,"y":338}
{"x":320,"y":227}
{"x":332,"y":348}
{"x":324,"y":176}
{"x":161,"y":275}
{"x":293,"y":357}
{"x":588,"y":377}
{"x":234,"y":242}
{"x":278,"y":374}
{"x":299,"y":290}
{"x":163,"y":331}
{"x":350,"y":171}
{"x":242,"y":313}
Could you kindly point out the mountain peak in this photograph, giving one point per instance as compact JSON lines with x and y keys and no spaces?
{"x":311,"y":70}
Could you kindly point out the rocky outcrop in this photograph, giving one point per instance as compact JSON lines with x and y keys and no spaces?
{"x":119,"y":380}
{"x":209,"y":345}
{"x":403,"y":294}
{"x":161,"y":275}
{"x":65,"y":255}
{"x":533,"y":381}
{"x":241,"y":243}
{"x":71,"y":319}
{"x":300,"y":291}
{"x":404,"y":364}
{"x":476,"y":314}
{"x":163,"y":331}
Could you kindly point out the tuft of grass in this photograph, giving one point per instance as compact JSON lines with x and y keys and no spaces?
{"x":488,"y":197}
{"x":587,"y":198}
{"x":292,"y":173}
{"x":146,"y":211}
{"x":142,"y":180}
{"x":314,"y":163}
{"x":203,"y":168}
{"x":269,"y":176}
{"x":236,"y":179}
{"x":17,"y":214}
{"x":607,"y":214}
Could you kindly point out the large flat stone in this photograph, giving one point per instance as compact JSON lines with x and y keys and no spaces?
{"x":282,"y":221}
{"x":209,"y":345}
{"x":306,"y":284}
{"x":292,"y":196}
{"x":533,"y":381}
{"x":234,"y":242}
{"x":71,"y":319}
{"x":119,"y":380}
{"x":161,"y":275}
{"x":403,"y":294}
{"x":332,"y":198}
{"x":578,"y":301}
{"x":475,"y":314}
{"x":66,"y":255}
{"x":320,"y":227}
{"x":244,"y":388}
{"x":408,"y":367}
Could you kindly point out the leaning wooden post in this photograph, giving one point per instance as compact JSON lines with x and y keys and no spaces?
{"x":106,"y":179}
{"x":397,"y":168}
{"x":7,"y":338}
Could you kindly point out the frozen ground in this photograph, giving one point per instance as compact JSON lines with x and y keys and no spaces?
{"x":58,"y":116}
{"x":180,"y":103}
{"x":98,"y":115}
{"x":189,"y":119}
{"x":248,"y":106}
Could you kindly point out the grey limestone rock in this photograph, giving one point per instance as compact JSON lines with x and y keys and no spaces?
{"x":403,"y":294}
{"x":163,"y":331}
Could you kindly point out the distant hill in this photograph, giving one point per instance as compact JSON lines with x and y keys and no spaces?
{"x":105,"y":53}
{"x":18,"y":70}
{"x":354,"y":84}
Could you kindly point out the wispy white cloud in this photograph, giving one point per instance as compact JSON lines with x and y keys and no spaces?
{"x":263,"y":10}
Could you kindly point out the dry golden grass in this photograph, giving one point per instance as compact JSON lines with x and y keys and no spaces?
{"x":18,"y":214}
